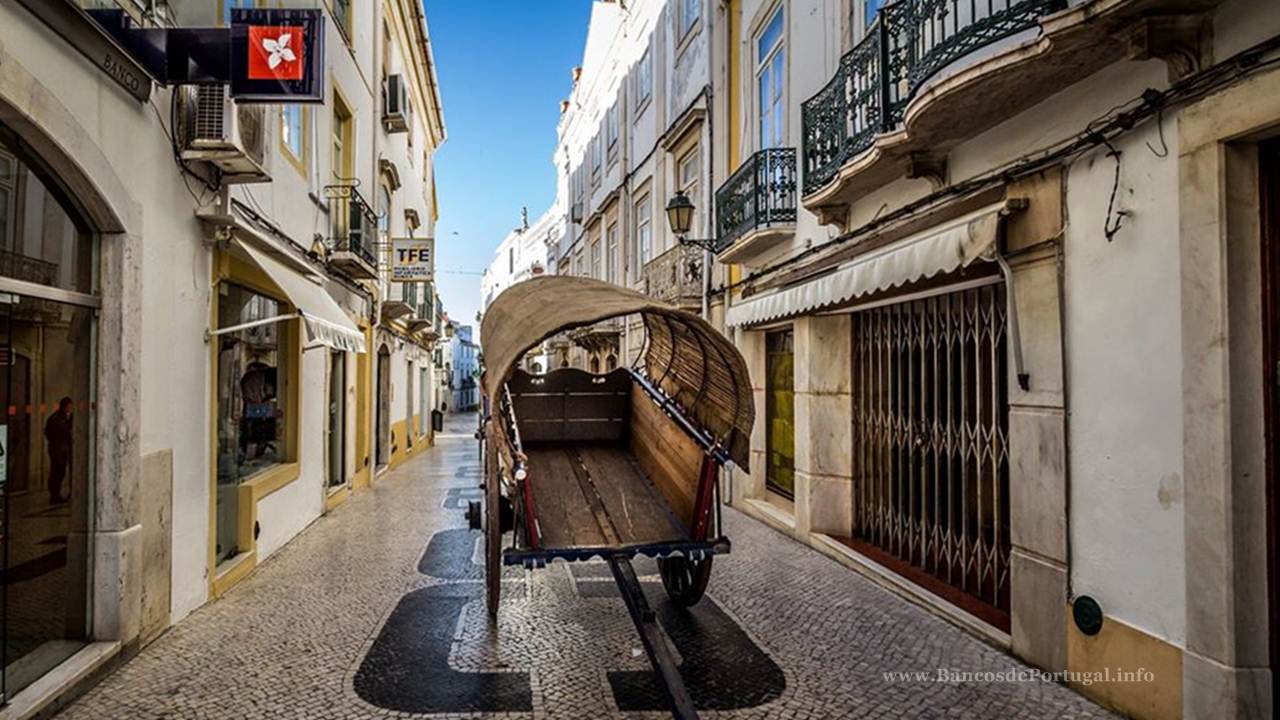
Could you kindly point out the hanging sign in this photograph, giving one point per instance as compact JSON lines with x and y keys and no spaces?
{"x":277,"y":56}
{"x":413,"y":259}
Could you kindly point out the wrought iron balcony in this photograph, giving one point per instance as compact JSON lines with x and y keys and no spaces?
{"x":907,"y":44}
{"x":760,"y":194}
{"x":353,"y":232}
{"x":675,"y":276}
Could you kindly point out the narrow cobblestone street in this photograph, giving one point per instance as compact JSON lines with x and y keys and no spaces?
{"x":377,"y":611}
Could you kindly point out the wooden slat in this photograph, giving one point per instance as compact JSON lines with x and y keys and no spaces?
{"x":668,"y":456}
{"x":635,"y":507}
{"x":564,"y":517}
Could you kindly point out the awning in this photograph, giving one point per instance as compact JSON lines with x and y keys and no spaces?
{"x":327,"y":324}
{"x":945,"y":248}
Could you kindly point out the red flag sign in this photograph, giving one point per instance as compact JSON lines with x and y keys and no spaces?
{"x":276,"y":52}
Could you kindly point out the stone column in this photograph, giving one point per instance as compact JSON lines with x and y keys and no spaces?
{"x":824,"y":423}
{"x":1037,"y":431}
{"x":117,"y":532}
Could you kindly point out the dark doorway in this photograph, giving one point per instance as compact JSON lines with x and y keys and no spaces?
{"x":1269,"y":199}
{"x":337,"y":418}
{"x":382,"y":427}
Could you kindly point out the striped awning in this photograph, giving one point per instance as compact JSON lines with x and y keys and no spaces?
{"x":945,"y":248}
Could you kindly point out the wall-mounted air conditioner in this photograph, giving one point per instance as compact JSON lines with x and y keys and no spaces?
{"x":214,"y":129}
{"x":395,"y":104}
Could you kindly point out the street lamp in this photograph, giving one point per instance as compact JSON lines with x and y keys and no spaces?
{"x":680,"y":213}
{"x":680,"y":216}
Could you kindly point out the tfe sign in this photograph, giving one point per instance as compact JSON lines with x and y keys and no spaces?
{"x":413,"y":259}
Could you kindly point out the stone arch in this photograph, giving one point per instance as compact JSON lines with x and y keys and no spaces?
{"x":50,"y":137}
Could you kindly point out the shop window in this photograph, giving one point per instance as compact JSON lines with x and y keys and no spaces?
{"x":47,"y":468}
{"x":254,"y":370}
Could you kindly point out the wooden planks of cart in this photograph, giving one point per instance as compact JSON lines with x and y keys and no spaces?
{"x":615,"y":465}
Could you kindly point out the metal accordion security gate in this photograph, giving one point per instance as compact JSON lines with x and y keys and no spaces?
{"x":930,"y":450}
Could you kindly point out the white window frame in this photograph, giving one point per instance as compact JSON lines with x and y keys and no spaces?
{"x":644,"y":81}
{"x":611,"y":254}
{"x":766,"y":65}
{"x":691,"y":157}
{"x":688,"y":13}
{"x":611,"y":133}
{"x":644,"y":231}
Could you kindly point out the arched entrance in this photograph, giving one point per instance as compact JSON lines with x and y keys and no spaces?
{"x":382,"y":410}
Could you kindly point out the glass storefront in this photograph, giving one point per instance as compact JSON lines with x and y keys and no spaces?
{"x":47,"y":365}
{"x":252,"y":373}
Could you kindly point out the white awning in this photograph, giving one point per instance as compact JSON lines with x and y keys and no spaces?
{"x":326,"y":322}
{"x":941,"y":249}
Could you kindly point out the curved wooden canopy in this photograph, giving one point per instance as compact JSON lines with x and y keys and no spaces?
{"x":684,"y":356}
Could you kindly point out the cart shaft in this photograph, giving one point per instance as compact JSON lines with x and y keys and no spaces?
{"x":657,"y":644}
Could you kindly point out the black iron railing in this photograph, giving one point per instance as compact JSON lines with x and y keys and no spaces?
{"x":353,"y":225}
{"x":759,"y":194}
{"x":909,"y":41}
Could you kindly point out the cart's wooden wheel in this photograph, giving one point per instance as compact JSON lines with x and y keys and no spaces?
{"x":685,"y":579}
{"x":492,"y":530}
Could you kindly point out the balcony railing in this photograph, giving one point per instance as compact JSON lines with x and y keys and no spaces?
{"x":353,"y":226}
{"x":675,"y":276}
{"x":909,"y":41}
{"x":761,"y":193}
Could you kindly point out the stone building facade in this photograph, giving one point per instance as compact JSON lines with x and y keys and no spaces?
{"x":204,"y":350}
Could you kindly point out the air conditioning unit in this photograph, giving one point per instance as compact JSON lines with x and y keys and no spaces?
{"x":215,"y":130}
{"x":395,"y":104}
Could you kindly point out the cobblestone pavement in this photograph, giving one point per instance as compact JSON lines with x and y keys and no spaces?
{"x":377,"y":610}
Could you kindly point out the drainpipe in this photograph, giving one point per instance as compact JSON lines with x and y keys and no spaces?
{"x":709,"y":228}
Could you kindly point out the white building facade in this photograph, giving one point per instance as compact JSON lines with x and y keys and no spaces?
{"x":996,"y":271}
{"x":1001,"y":272}
{"x":233,"y":359}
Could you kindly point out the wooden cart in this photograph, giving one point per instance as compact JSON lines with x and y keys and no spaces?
{"x":611,"y":466}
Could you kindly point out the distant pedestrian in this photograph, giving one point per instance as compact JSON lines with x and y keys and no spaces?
{"x":57,"y":434}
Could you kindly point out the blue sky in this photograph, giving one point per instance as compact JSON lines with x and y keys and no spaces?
{"x":504,"y":67}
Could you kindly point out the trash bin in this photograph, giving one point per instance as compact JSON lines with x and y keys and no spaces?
{"x":437,"y":421}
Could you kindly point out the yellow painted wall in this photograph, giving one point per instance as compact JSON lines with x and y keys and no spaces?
{"x":734,"y":10}
{"x":1154,"y":689}
{"x":363,"y":475}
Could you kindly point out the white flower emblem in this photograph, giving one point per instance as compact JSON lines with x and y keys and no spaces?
{"x":278,"y":50}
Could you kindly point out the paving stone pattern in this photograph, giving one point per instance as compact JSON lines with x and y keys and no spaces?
{"x":377,"y":611}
